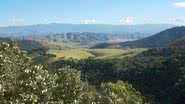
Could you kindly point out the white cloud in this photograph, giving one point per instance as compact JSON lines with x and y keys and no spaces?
{"x":127,"y":20}
{"x":88,"y":21}
{"x":179,"y":4}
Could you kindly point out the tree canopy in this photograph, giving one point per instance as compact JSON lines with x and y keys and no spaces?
{"x":21,"y":82}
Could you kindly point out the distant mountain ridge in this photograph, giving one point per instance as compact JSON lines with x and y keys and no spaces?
{"x":97,"y":28}
{"x":180,"y":43}
{"x":161,"y":39}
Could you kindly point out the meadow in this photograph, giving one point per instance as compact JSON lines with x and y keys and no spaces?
{"x":71,"y":53}
{"x":96,"y":53}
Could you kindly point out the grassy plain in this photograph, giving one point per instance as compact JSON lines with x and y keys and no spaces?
{"x":97,"y":53}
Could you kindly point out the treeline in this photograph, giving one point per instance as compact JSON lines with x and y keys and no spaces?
{"x":157,"y":73}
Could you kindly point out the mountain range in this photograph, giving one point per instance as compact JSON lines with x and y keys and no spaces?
{"x":160,"y":39}
{"x":41,"y":29}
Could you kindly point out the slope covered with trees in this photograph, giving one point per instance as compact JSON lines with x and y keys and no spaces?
{"x":21,"y":82}
{"x":157,"y":73}
{"x":30,"y":46}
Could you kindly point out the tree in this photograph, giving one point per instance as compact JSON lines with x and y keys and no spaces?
{"x":119,"y":93}
{"x":21,"y":82}
{"x":68,"y":86}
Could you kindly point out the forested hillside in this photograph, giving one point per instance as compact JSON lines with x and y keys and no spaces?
{"x":21,"y":82}
{"x":30,"y":46}
{"x":157,"y":73}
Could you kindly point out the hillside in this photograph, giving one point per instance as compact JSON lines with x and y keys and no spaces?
{"x":157,"y":73}
{"x":161,"y":39}
{"x":30,"y":45}
{"x":27,"y":45}
{"x":180,"y":43}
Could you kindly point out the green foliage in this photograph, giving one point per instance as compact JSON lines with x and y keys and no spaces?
{"x":157,"y":73}
{"x":34,"y":85}
{"x":118,"y":94}
{"x":22,"y":83}
{"x":32,"y":46}
{"x":89,"y":95}
{"x":19,"y":81}
{"x":68,"y":86}
{"x":97,"y":71}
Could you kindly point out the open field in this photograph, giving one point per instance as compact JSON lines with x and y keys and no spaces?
{"x":97,"y":53}
{"x":71,"y":53}
{"x":115,"y":53}
{"x":105,"y":52}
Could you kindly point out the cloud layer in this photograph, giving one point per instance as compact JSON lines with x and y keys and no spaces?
{"x":179,"y":4}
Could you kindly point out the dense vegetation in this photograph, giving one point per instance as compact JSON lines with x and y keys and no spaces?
{"x":21,"y":82}
{"x":157,"y":73}
{"x":161,"y":39}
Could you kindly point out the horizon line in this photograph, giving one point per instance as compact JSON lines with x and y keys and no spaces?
{"x":90,"y":24}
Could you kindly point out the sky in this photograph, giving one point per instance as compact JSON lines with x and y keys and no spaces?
{"x":28,"y":12}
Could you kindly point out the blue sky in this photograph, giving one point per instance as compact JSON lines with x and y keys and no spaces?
{"x":26,"y":12}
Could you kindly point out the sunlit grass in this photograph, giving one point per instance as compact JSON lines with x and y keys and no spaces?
{"x":97,"y":53}
{"x":71,"y":53}
{"x":116,"y":53}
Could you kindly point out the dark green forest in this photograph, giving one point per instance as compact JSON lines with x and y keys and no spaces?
{"x":157,"y":73}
